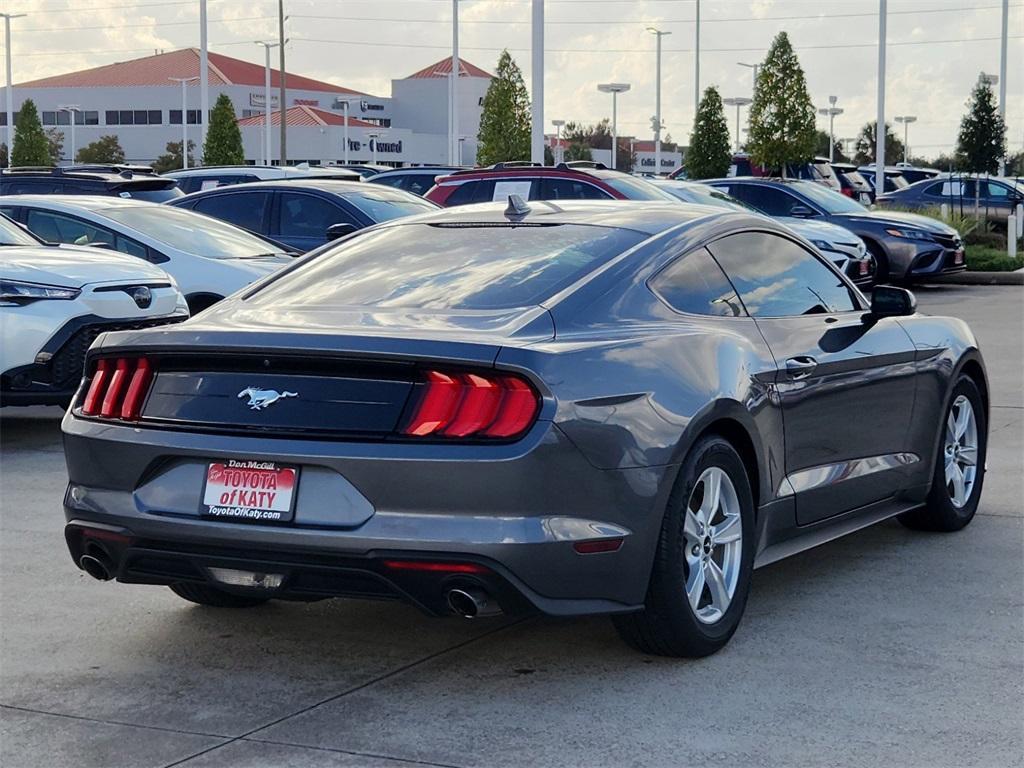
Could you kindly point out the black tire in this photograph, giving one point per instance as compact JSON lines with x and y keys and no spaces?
{"x":204,"y":594}
{"x":668,"y":625}
{"x":881,"y":276}
{"x":198,"y":302}
{"x":939,"y":513}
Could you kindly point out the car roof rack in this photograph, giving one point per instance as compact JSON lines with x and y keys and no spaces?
{"x":574,"y":164}
{"x":513,"y":164}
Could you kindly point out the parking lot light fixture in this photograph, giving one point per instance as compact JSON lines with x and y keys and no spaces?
{"x":738,"y":102}
{"x":184,"y":117}
{"x":267,"y":100}
{"x":614,"y":89}
{"x":657,"y":100}
{"x":906,"y":120}
{"x":72,"y":110}
{"x":754,"y":69}
{"x":10,"y":83}
{"x":831,"y":111}
{"x":373,"y":146}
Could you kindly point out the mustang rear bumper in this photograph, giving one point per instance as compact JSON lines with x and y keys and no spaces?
{"x":517,"y":509}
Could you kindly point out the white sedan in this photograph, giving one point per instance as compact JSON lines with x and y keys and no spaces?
{"x":55,"y":300}
{"x":207,"y":257}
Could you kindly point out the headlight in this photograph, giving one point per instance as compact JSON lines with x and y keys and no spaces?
{"x":14,"y":290}
{"x":910,"y":234}
{"x":823,"y":245}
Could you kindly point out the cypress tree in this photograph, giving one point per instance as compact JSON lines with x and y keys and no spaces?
{"x":505,"y":121}
{"x":709,"y":155}
{"x":223,"y":138}
{"x":982,"y":139}
{"x":31,"y":146}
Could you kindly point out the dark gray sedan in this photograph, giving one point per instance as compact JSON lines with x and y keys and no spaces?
{"x":588,"y":407}
{"x":994,"y":198}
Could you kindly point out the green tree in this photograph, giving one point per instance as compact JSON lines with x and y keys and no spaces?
{"x":55,"y":142}
{"x":578,"y":138}
{"x":171,"y":160}
{"x":505,"y":119}
{"x":782,"y":115}
{"x":865,"y":148}
{"x":821,"y":142}
{"x":3,"y":155}
{"x":710,"y":154}
{"x":982,"y":139}
{"x":223,"y":138}
{"x":105,"y":150}
{"x":31,"y":147}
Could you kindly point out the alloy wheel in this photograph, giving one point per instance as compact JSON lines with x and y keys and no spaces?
{"x":713,"y":533}
{"x":960,"y":451}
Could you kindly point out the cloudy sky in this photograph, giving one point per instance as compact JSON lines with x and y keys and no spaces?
{"x":936,"y":48}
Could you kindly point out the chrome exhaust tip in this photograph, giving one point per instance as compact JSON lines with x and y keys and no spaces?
{"x":472,"y":603}
{"x":95,"y":568}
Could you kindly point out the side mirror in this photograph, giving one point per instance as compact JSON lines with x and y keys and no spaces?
{"x":339,"y":230}
{"x":801,"y":212}
{"x":889,"y":301}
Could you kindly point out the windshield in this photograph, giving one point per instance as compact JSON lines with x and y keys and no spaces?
{"x":698,"y":193}
{"x":459,"y":266}
{"x":151,"y":195}
{"x":385,"y":203}
{"x":636,"y":189}
{"x":12,"y":234}
{"x":823,"y":197}
{"x":191,"y":232}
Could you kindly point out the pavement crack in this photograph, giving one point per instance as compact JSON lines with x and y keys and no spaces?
{"x":113,"y":722}
{"x":355,"y":753}
{"x":349,"y":691}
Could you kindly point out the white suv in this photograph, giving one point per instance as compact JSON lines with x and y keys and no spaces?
{"x":212,"y":176}
{"x":55,"y":300}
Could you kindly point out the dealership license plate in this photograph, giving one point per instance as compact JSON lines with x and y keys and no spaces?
{"x":257,"y":491}
{"x":958,"y":258}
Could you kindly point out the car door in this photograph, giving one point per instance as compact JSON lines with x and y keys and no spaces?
{"x":247,"y":209}
{"x":768,"y":200}
{"x":845,"y":380}
{"x":303,"y":219}
{"x":999,"y":200}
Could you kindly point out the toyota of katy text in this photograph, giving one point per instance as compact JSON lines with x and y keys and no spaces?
{"x":572,"y":408}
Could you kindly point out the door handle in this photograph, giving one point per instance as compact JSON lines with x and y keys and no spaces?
{"x":800,"y":367}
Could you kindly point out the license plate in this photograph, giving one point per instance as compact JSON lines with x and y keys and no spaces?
{"x":958,"y":258}
{"x":257,"y":491}
{"x":865,"y":198}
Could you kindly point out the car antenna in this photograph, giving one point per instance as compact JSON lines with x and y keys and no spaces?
{"x":517,"y":207}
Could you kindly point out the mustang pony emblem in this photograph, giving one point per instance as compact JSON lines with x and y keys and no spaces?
{"x":261,"y":398}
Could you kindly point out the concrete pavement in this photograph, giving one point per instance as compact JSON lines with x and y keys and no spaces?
{"x":887,"y":647}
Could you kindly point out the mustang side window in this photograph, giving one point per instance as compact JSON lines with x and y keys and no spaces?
{"x":775,"y":277}
{"x":696,"y":285}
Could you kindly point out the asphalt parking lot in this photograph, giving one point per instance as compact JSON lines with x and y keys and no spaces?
{"x":885,"y":648}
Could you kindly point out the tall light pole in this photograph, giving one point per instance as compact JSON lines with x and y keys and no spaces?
{"x":754,"y":69}
{"x":373,"y":146}
{"x":880,"y":116}
{"x":559,"y":156}
{"x":453,"y":89}
{"x":344,"y":112}
{"x":10,"y":83}
{"x":266,"y":100}
{"x":184,"y":117}
{"x":657,"y":100}
{"x":739,"y":101}
{"x":537,"y":89}
{"x":282,"y":102}
{"x":614,"y":89}
{"x":906,"y":120}
{"x":72,"y":110}
{"x":1002,"y":77}
{"x":204,"y":75}
{"x":696,"y":63}
{"x":831,"y":113}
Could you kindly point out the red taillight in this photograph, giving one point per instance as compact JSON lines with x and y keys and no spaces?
{"x":118,"y":388}
{"x":597,"y":546}
{"x":848,"y":192}
{"x":455,"y":405}
{"x":426,"y":565}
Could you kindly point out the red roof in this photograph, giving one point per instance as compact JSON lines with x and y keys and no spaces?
{"x":155,"y":70}
{"x":305,"y":115}
{"x":443,"y":68}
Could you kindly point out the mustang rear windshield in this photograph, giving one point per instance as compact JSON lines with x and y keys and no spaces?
{"x":429,"y":266}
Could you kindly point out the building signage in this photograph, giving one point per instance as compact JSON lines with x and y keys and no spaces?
{"x":258,"y":100}
{"x":668,"y":161}
{"x":389,"y":146}
{"x":306,"y":102}
{"x":365,"y":106}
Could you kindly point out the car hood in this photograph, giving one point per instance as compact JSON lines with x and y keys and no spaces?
{"x":898,"y":219}
{"x":73,"y":267}
{"x":818,"y":230}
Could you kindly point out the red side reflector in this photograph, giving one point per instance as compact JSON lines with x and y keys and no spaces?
{"x":118,"y":381}
{"x":478,"y":408}
{"x":600,"y":545}
{"x":518,"y":408}
{"x":426,"y":565}
{"x":137,"y":389}
{"x":440,"y":401}
{"x":97,"y":388}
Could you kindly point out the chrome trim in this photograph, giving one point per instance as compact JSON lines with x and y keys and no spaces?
{"x":831,"y":474}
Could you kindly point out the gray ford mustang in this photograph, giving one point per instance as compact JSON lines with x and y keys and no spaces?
{"x":573,"y":408}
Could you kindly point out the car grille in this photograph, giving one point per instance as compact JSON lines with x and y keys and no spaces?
{"x":952,"y":242}
{"x":68,"y":362}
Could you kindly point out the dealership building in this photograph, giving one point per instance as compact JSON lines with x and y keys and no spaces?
{"x":140,"y":101}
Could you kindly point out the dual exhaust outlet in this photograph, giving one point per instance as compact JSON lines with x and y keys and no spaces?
{"x":471,"y":603}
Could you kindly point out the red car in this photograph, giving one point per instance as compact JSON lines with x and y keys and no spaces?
{"x":531,"y":181}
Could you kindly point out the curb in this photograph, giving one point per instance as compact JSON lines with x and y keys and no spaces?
{"x":980,"y":278}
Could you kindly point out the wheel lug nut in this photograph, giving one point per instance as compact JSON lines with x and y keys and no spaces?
{"x":696,"y":549}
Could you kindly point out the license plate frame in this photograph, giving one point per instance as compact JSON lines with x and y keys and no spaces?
{"x":250,"y":481}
